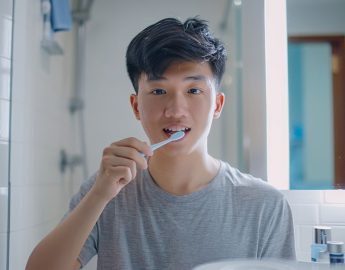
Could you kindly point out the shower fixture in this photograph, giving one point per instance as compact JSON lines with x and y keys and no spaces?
{"x":80,"y":14}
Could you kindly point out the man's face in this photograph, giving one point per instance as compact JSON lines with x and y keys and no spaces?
{"x":184,"y":98}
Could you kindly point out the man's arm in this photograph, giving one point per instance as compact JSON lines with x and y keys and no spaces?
{"x":60,"y":248}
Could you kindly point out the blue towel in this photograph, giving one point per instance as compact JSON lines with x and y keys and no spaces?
{"x":61,"y":19}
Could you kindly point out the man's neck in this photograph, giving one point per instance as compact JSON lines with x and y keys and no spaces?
{"x":183,"y":175}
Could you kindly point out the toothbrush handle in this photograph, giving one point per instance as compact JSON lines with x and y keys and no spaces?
{"x":157,"y":145}
{"x":160,"y":144}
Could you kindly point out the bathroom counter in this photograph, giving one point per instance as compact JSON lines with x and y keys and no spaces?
{"x":318,"y":266}
{"x":267,"y":265}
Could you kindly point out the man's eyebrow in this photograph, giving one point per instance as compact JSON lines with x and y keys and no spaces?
{"x":195,"y":78}
{"x":187,"y":78}
{"x":155,"y":78}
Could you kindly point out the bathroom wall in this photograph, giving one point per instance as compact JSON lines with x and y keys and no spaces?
{"x":41,"y":127}
{"x":310,"y":208}
{"x":6,"y":23}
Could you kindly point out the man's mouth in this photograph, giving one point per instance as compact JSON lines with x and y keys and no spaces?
{"x":171,"y":131}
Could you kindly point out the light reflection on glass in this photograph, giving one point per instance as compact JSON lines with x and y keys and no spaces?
{"x":5,"y":68}
{"x":4,"y":119}
{"x":6,"y":38}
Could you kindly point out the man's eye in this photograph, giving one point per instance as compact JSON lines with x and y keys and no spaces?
{"x":194,"y":91}
{"x":158,"y":91}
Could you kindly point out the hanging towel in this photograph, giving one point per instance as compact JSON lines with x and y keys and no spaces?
{"x":61,"y":19}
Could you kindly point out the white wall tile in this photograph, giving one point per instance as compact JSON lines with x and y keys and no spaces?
{"x":5,"y":69}
{"x":6,"y":8}
{"x":36,"y":165}
{"x":4,"y":119}
{"x":24,"y":241}
{"x":332,"y":214}
{"x":3,"y":209}
{"x":304,"y":214}
{"x":303,"y":196}
{"x":338,"y":233}
{"x":37,"y":204}
{"x":334,"y":196}
{"x":41,"y":114}
{"x":4,"y":163}
{"x":3,"y":250}
{"x":6,"y":36}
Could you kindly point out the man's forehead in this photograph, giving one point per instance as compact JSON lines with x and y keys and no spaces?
{"x":187,"y":71}
{"x":196,"y":77}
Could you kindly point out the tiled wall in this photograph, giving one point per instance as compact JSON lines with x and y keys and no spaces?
{"x":310,"y":208}
{"x":6,"y":22}
{"x":41,"y":127}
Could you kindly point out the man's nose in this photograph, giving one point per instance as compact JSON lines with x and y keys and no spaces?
{"x":177,"y":106}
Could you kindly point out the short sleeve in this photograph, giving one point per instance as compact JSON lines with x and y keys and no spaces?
{"x":90,"y":247}
{"x":279,"y":241}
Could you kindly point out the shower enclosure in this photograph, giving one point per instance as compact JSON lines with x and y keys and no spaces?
{"x":36,"y":124}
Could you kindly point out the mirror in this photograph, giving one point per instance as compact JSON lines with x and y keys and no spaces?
{"x":316,"y":57}
{"x":44,"y":122}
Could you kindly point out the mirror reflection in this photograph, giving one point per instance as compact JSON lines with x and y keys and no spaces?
{"x":316,"y":50}
{"x":69,"y":103}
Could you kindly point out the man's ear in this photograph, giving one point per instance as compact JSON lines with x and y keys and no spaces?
{"x":220,"y":98}
{"x":134,"y":103}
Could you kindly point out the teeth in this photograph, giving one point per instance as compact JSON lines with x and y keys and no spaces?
{"x":176,"y":129}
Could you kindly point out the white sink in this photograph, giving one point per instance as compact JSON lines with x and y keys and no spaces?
{"x":264,"y":265}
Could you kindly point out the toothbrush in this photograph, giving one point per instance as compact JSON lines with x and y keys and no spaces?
{"x":174,"y":137}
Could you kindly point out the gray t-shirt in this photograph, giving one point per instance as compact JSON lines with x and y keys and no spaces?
{"x":234,"y":216}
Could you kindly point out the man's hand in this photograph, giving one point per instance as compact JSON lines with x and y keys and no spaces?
{"x":119,"y":166}
{"x":60,"y":248}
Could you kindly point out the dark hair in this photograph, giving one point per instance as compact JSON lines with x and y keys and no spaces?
{"x":170,"y":40}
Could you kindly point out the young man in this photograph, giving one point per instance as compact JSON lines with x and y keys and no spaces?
{"x":177,"y":207}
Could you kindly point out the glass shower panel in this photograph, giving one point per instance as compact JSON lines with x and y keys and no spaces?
{"x":6,"y":23}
